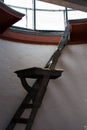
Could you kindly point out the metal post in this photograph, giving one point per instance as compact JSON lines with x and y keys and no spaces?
{"x":34,"y":14}
{"x":66,"y":15}
{"x":26,"y":18}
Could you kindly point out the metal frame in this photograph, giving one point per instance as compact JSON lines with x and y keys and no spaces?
{"x":34,"y":13}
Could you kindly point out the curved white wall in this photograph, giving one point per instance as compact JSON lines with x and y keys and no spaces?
{"x":65,"y":104}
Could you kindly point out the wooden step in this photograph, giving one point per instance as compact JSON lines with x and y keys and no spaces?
{"x":29,"y":106}
{"x":21,"y":120}
{"x":36,"y":72}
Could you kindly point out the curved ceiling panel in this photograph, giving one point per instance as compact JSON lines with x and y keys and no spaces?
{"x":75,"y":4}
{"x":8,"y":17}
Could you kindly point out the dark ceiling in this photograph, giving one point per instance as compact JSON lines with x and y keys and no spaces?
{"x":75,"y":4}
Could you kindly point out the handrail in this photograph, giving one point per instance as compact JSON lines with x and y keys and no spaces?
{"x":50,"y":10}
{"x":40,"y":9}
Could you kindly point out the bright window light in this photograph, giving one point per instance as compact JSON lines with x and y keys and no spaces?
{"x":47,"y":16}
{"x":46,"y":20}
{"x":51,"y":18}
{"x":76,"y":15}
{"x":19,"y":3}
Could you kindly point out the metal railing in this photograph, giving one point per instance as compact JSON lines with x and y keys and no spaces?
{"x":34,"y":14}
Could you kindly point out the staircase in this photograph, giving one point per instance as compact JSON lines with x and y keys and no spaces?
{"x":35,"y":93}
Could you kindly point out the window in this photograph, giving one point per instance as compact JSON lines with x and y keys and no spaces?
{"x":75,"y":14}
{"x":49,"y":16}
{"x":18,"y":3}
{"x":48,"y":20}
{"x":43,"y":16}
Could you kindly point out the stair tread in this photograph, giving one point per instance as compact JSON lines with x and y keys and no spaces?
{"x":36,"y":72}
{"x":21,"y":120}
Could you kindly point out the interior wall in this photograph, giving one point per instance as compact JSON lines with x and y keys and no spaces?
{"x":64,"y":106}
{"x":14,"y":56}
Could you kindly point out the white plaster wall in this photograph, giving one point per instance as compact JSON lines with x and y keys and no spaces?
{"x":65,"y":104}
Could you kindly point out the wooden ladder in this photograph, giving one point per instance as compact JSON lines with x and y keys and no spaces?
{"x":33,"y":99}
{"x":35,"y":93}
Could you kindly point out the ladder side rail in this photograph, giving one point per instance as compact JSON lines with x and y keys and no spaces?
{"x":64,"y":40}
{"x":45,"y":80}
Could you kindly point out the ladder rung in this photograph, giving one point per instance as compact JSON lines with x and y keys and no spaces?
{"x":36,"y":72}
{"x":21,"y":120}
{"x":27,"y":106}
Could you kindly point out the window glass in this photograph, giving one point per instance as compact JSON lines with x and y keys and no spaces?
{"x":22,"y":22}
{"x":29,"y":19}
{"x":46,"y":20}
{"x":23,"y":6}
{"x":26,"y":21}
{"x":76,"y":14}
{"x":48,"y":16}
{"x":19,"y":3}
